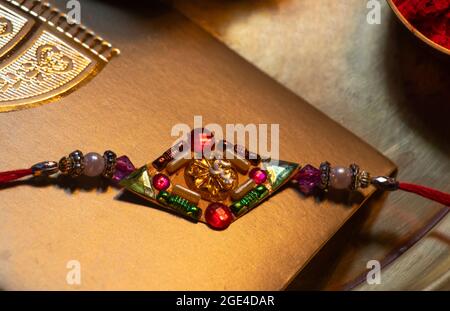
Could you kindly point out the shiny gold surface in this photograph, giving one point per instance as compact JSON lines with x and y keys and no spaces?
{"x":12,"y":27}
{"x":43,"y":56}
{"x":47,"y":65}
{"x":214,"y":179}
{"x":169,"y":70}
{"x":383,"y":84}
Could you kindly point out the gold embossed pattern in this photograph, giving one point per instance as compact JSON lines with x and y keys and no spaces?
{"x":11,"y":24}
{"x":43,"y":56}
{"x":47,"y":65}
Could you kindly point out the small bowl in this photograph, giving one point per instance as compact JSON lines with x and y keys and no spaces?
{"x":416,"y":32}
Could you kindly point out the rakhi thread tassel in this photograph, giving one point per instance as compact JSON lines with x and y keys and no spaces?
{"x":391,"y":184}
{"x":14,"y":175}
{"x":42,"y":168}
{"x":426,"y":192}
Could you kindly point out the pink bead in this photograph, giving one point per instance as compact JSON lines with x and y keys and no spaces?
{"x":258,"y":175}
{"x":161,"y":182}
{"x":94,"y":164}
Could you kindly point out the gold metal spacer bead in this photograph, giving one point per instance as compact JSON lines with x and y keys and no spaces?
{"x":364,"y":179}
{"x":110,"y":163}
{"x":65,"y":165}
{"x":324,"y":168}
{"x":72,"y":165}
{"x":355,"y":177}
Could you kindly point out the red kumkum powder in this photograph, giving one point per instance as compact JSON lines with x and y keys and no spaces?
{"x":430,"y":17}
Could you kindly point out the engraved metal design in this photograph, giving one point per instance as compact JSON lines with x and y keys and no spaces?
{"x":50,"y":57}
{"x":44,"y":67}
{"x":11,"y":25}
{"x":6,"y":27}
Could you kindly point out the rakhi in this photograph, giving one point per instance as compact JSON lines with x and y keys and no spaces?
{"x":213,"y":181}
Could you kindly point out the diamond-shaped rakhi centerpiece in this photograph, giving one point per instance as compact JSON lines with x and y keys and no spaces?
{"x":227,"y":183}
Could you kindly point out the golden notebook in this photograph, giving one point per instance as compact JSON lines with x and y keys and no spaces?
{"x":169,"y":70}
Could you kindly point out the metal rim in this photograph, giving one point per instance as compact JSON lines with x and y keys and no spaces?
{"x":415,"y":31}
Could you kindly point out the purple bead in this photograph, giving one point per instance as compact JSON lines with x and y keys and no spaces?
{"x":124,"y":167}
{"x":308,"y":179}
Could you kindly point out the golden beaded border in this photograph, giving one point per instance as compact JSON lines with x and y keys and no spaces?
{"x":77,"y":32}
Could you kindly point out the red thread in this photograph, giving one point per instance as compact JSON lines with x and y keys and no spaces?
{"x":429,"y":193}
{"x":13,"y":175}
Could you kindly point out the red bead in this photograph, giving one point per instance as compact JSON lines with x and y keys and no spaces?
{"x":218,"y":216}
{"x":200,"y":139}
{"x":161,"y":182}
{"x":258,"y":175}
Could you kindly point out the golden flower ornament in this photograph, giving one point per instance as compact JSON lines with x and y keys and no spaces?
{"x":212,"y":178}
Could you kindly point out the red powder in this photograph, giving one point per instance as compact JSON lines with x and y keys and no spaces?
{"x":430,"y":17}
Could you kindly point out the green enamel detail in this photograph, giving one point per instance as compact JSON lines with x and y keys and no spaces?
{"x":250,"y":200}
{"x":180,"y":204}
{"x":139,"y":182}
{"x":184,"y":206}
{"x":279,"y":172}
{"x":163,"y":197}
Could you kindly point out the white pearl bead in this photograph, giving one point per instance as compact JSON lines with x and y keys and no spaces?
{"x":94,"y":164}
{"x":340,"y":177}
